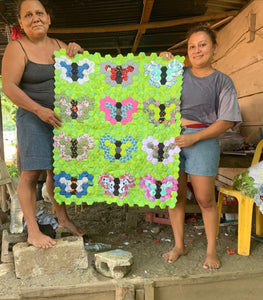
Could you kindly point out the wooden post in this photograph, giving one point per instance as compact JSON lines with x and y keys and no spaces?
{"x":125,"y":292}
{"x":3,"y":198}
{"x":149,"y":290}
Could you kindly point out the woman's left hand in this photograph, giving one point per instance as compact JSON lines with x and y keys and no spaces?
{"x":185,"y":140}
{"x":73,"y":48}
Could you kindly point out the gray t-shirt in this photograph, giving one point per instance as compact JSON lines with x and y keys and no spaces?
{"x":209,"y":99}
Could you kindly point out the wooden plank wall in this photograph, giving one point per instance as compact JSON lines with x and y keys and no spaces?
{"x":240,"y":55}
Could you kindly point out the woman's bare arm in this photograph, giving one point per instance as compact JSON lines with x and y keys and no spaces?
{"x":13,"y":66}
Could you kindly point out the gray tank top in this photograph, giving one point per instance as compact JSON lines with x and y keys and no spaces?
{"x":38,"y":81}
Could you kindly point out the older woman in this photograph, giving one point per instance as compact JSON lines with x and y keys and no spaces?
{"x":28,"y":81}
{"x":208,"y":108}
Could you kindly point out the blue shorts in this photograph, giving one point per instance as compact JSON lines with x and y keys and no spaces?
{"x":35,"y":141}
{"x":202,"y":158}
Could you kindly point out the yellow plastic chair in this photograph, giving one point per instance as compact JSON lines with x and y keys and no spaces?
{"x":245,"y":211}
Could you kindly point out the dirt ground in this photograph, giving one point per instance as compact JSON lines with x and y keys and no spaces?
{"x":105,"y":223}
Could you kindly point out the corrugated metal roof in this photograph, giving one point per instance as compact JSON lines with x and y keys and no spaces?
{"x":96,"y":13}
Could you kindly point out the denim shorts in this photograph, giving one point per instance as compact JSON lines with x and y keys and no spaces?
{"x":202,"y":158}
{"x":35,"y":141}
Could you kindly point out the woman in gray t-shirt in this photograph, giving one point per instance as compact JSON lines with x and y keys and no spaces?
{"x":209,"y":107}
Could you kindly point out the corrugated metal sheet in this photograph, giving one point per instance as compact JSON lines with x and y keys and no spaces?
{"x":88,"y":13}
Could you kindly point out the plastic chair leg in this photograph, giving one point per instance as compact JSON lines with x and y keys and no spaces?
{"x":219,"y":205}
{"x":259,"y":222}
{"x":245,"y":212}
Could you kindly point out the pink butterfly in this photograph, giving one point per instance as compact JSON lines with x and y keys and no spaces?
{"x":118,"y":111}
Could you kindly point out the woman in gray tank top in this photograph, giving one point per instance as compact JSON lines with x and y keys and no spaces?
{"x":28,"y":81}
{"x":209,"y":107}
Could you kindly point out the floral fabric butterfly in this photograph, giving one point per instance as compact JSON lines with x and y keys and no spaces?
{"x":118,"y":150}
{"x":118,"y":111}
{"x":74,"y":72}
{"x":70,"y":148}
{"x":116,"y":74}
{"x":163,"y":75}
{"x":158,"y":189}
{"x":162,"y":113}
{"x":73,"y":185}
{"x":74,"y":109}
{"x":116,"y":186}
{"x":160,"y":152}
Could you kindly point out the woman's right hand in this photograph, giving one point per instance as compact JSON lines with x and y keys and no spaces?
{"x":166,"y":55}
{"x":49,"y":116}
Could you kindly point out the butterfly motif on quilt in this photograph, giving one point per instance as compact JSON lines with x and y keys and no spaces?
{"x":158,"y":189}
{"x":163,"y":75}
{"x":118,"y":111}
{"x":70,"y":148}
{"x":118,"y":150}
{"x":114,"y":186}
{"x":73,"y":185}
{"x":119,"y":74}
{"x":160,"y":152}
{"x":71,"y":109}
{"x":74,"y":71}
{"x":162,"y":113}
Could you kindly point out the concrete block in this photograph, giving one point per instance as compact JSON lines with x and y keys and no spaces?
{"x":62,"y":232}
{"x":8,"y":241}
{"x":115,"y":263}
{"x":6,"y":268}
{"x":68,"y":255}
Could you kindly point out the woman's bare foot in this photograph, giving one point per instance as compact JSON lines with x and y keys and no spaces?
{"x":67,"y":223}
{"x":174,"y":254}
{"x":40,"y":240}
{"x":211,"y":262}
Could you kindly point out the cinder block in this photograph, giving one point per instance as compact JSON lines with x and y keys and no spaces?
{"x":68,"y":255}
{"x":6,"y":268}
{"x":8,"y":240}
{"x":115,"y":263}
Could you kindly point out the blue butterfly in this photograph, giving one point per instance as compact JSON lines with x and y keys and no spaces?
{"x":163,"y":75}
{"x":72,"y":71}
{"x":73,"y":185}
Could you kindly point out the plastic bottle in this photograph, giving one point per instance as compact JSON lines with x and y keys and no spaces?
{"x":96,"y":246}
{"x":16,"y":225}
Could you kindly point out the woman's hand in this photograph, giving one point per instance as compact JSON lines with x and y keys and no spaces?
{"x":186,"y":140}
{"x":49,"y":116}
{"x":166,"y":55}
{"x":73,"y":48}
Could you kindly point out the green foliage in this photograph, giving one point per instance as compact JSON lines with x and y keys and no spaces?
{"x":245,"y":184}
{"x":8,"y":109}
{"x":13,"y":171}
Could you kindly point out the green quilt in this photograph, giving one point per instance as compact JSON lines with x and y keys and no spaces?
{"x":120,"y":116}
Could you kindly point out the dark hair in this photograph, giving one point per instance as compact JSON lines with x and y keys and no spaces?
{"x":19,"y":3}
{"x":203,"y":28}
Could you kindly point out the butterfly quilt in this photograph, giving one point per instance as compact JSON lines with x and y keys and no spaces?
{"x":120,"y":117}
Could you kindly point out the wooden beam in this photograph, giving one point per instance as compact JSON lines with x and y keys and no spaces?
{"x":150,"y":25}
{"x":214,"y":26}
{"x":146,"y":13}
{"x":127,"y":47}
{"x":252,"y":27}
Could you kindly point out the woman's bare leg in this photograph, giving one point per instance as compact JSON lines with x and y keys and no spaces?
{"x":177,"y":217}
{"x":204,"y":190}
{"x":26,"y":191}
{"x":63,"y":218}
